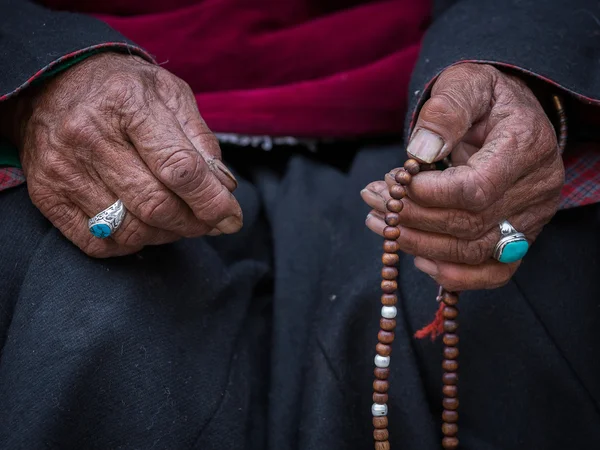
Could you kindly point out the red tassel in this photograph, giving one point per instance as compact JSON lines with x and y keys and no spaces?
{"x":435,"y":328}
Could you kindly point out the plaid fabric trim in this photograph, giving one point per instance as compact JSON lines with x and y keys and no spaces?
{"x":582,"y":177}
{"x":582,"y":165}
{"x":10,"y":177}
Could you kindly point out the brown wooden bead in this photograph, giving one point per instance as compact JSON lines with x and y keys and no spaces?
{"x":383,"y":445}
{"x":450,"y":443}
{"x":380,"y":398}
{"x":450,"y":340}
{"x":450,"y":365}
{"x":381,"y":386}
{"x":394,"y":205}
{"x":412,"y":166}
{"x":392,"y":219}
{"x":389,"y":299}
{"x":450,"y":403}
{"x":389,"y":273}
{"x":385,"y":337}
{"x":451,"y":352}
{"x":382,"y":373}
{"x":389,"y":286}
{"x":390,"y":246}
{"x":450,"y":326}
{"x":449,"y":429}
{"x":381,"y":435}
{"x":387,"y":324}
{"x":390,"y":259}
{"x":450,"y":391}
{"x":450,"y":298}
{"x":403,"y":177}
{"x":448,"y":416}
{"x":391,"y":232}
{"x":450,"y":312}
{"x":383,"y":349}
{"x":397,"y":191}
{"x":380,"y":422}
{"x":450,"y":379}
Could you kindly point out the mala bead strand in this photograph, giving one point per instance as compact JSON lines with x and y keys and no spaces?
{"x":389,"y":299}
{"x":562,"y":123}
{"x":450,"y":370}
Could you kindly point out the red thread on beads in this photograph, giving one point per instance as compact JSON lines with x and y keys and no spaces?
{"x":435,"y":328}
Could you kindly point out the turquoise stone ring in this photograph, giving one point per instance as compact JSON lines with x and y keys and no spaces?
{"x":106,"y":222}
{"x":512,"y":245}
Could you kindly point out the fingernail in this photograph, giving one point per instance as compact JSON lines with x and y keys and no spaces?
{"x":215,"y":232}
{"x":372,"y":195}
{"x":425,"y":146}
{"x":368,"y":219}
{"x":230,"y":225}
{"x":427,"y":266}
{"x":232,"y":184}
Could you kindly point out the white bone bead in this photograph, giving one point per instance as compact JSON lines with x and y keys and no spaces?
{"x":388,"y":312}
{"x":379,"y":409}
{"x":382,"y":361}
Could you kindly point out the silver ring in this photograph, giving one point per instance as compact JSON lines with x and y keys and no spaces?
{"x":106,"y":222}
{"x":512,"y":245}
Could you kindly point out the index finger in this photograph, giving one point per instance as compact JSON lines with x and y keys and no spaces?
{"x":173,"y":159}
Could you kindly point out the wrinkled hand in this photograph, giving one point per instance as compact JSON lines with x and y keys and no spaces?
{"x":506,"y":166}
{"x":115,"y":126}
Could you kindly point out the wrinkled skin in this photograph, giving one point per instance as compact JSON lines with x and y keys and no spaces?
{"x":115,"y":126}
{"x":506,"y":166}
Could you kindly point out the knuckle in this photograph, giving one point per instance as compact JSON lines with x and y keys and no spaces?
{"x":475,"y":252}
{"x":132,"y":234}
{"x":157,"y":207}
{"x":184,"y":88}
{"x":180,"y":169}
{"x":478,"y":191}
{"x":75,"y":129}
{"x":465,"y":224}
{"x":440,"y":108}
{"x":122,"y":90}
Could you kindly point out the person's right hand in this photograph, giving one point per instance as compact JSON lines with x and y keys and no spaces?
{"x":117,"y":127}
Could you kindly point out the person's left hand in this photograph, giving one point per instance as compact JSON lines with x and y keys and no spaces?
{"x":506,"y":166}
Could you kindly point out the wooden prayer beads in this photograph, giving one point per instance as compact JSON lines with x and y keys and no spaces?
{"x":389,"y":299}
{"x":450,"y":367}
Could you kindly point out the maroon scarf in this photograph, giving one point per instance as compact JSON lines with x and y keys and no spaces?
{"x":281,"y":67}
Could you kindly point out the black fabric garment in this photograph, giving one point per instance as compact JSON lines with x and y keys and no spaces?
{"x":265,"y":340}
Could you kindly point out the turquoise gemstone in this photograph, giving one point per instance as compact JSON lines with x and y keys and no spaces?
{"x":514,"y":251}
{"x":100,"y":230}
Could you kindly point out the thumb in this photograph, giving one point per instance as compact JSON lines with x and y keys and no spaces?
{"x":461,"y":96}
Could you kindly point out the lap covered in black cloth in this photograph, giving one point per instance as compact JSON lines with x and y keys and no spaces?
{"x":265,"y":339}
